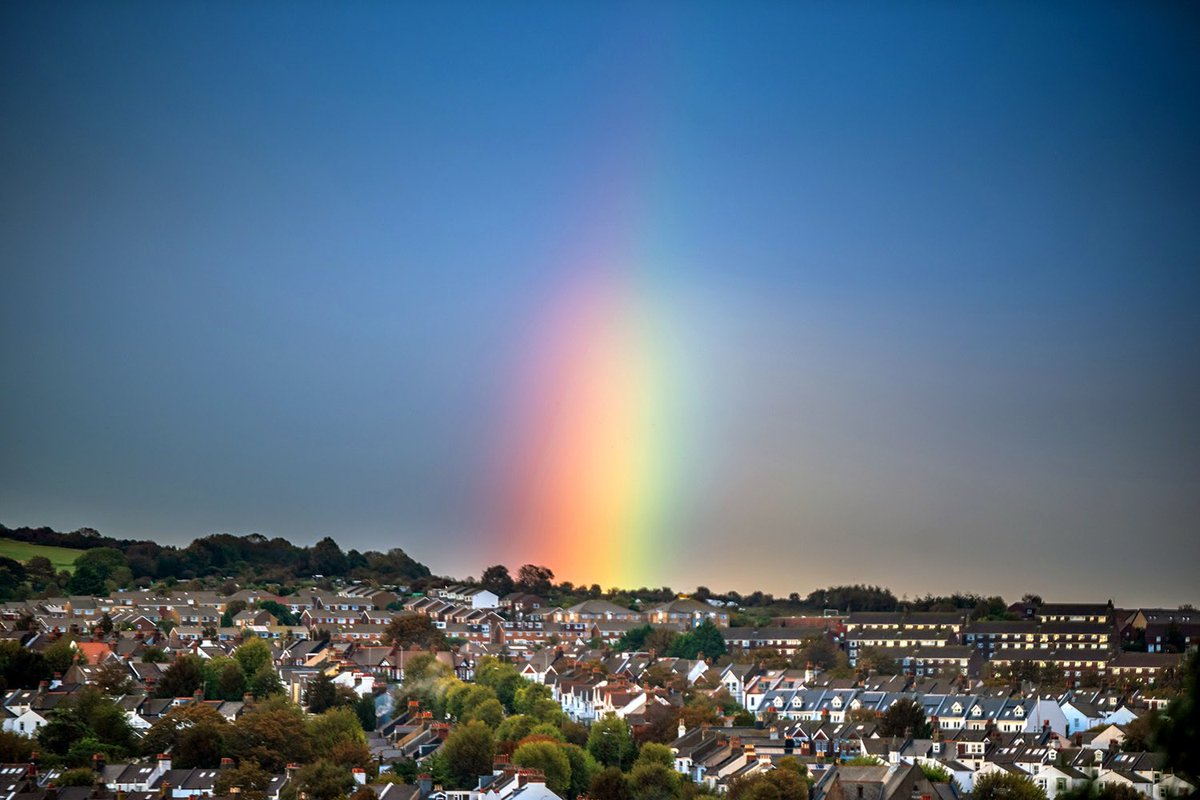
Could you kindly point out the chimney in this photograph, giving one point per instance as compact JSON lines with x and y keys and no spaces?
{"x":424,"y":784}
{"x":248,"y":698}
{"x":682,"y":729}
{"x":235,"y":792}
{"x":291,"y":771}
{"x":198,"y":696}
{"x":43,"y":687}
{"x":164,"y":763}
{"x":226,"y":763}
{"x":360,"y":776}
{"x":164,"y":789}
{"x":98,"y":762}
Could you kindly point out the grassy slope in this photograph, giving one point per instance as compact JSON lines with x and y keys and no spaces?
{"x":60,"y":557}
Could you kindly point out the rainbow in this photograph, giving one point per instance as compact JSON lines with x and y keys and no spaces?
{"x":594,"y":463}
{"x":591,"y":473}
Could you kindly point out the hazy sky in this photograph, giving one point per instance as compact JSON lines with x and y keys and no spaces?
{"x":928,"y":273}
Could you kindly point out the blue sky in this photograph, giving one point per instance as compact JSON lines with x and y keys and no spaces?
{"x":933,"y":267}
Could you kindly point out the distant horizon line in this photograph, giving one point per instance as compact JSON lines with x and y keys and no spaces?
{"x":901,"y":598}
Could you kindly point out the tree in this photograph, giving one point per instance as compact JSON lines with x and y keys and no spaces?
{"x":272,"y":733}
{"x":785,"y":783}
{"x":15,"y":748}
{"x":321,"y":780}
{"x":232,"y":609}
{"x":905,"y":718}
{"x":662,"y":723}
{"x":80,"y":776}
{"x":253,"y":654}
{"x":535,"y":579}
{"x":469,"y":752}
{"x":265,"y":682}
{"x":583,"y":769}
{"x":1178,"y":734}
{"x":503,"y":678}
{"x":1006,"y":786}
{"x":320,"y":694}
{"x":60,"y":656}
{"x":877,"y":660}
{"x":414,"y":630}
{"x":365,"y":709}
{"x":497,"y":580}
{"x":550,"y":758}
{"x":337,"y":735}
{"x":861,"y":714}
{"x":515,"y":728}
{"x":225,"y":679}
{"x":326,"y":558}
{"x":20,"y":667}
{"x":194,"y":734}
{"x":935,"y":773}
{"x":610,"y":743}
{"x":654,"y":753}
{"x":252,"y":779}
{"x":653,"y":781}
{"x":87,"y":581}
{"x":610,"y":784}
{"x":704,"y":639}
{"x":182,"y":678}
{"x":1139,"y":734}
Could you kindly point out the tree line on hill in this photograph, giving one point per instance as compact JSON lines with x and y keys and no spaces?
{"x":255,"y":559}
{"x":123,"y":563}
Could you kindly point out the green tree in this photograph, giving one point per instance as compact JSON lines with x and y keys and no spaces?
{"x":503,"y":678}
{"x":194,"y":734}
{"x":469,"y":752}
{"x":550,"y":758}
{"x":610,"y":784}
{"x":182,"y":678}
{"x":1178,"y":734}
{"x":273,"y":733}
{"x":321,"y":780}
{"x":653,"y":781}
{"x":1006,"y":786}
{"x":365,"y":709}
{"x":79,"y":776}
{"x":610,"y":742}
{"x":15,"y":748}
{"x":337,"y":733}
{"x":232,"y":609}
{"x":497,"y":580}
{"x":583,"y":769}
{"x":252,"y":779}
{"x":320,"y":694}
{"x":265,"y":682}
{"x":654,"y":753}
{"x":515,"y":728}
{"x":489,"y":712}
{"x":877,"y":660}
{"x":705,"y":639}
{"x":414,"y":630}
{"x":253,"y":654}
{"x":905,"y":718}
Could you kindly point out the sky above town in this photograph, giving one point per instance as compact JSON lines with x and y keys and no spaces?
{"x":746,"y":295}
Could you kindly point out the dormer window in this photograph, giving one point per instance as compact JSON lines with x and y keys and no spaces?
{"x":956,"y":708}
{"x":976,"y":711}
{"x":1019,"y":711}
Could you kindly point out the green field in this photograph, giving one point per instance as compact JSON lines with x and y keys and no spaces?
{"x":61,"y":557}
